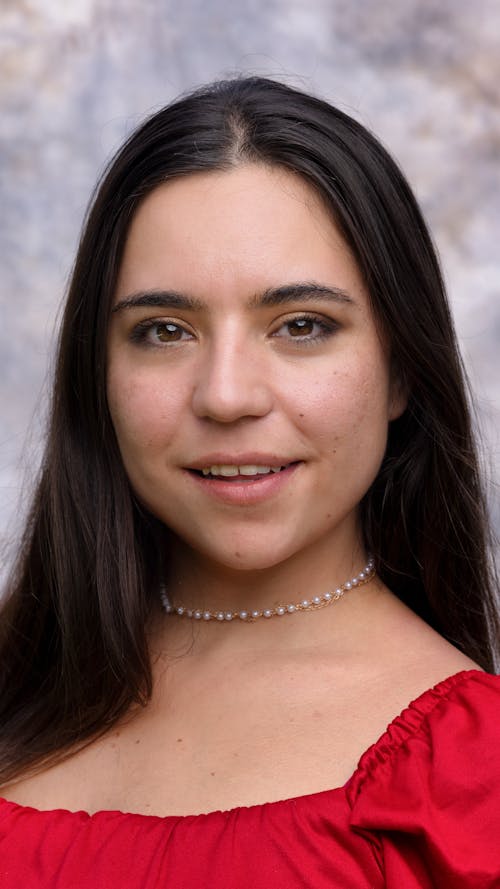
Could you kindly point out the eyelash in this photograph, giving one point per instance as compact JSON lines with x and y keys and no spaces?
{"x":326,"y":329}
{"x":139,"y":334}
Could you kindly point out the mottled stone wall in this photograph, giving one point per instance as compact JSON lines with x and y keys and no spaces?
{"x":77,"y":75}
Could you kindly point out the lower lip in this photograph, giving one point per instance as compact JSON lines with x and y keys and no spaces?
{"x":245,"y":492}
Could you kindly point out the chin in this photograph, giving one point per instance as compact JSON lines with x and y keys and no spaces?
{"x":241,"y":559}
{"x":238,"y":554}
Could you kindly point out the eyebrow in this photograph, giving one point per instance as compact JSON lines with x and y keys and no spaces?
{"x":309,"y":290}
{"x":165,"y":299}
{"x":273,"y":296}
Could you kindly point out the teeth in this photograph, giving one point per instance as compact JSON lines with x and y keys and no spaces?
{"x":254,"y":470}
{"x":247,"y":469}
{"x":224,"y":470}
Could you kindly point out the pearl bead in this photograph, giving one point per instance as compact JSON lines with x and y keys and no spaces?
{"x":365,"y":575}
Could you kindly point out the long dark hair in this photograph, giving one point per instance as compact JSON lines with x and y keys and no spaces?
{"x":73,"y":652}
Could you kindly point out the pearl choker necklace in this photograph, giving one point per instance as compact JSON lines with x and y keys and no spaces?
{"x":364,"y":576}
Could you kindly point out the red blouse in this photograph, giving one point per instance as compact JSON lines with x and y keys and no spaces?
{"x":422,"y":811}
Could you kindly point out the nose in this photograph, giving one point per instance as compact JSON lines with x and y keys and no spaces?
{"x":232,"y":382}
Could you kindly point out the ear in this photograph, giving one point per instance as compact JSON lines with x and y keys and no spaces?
{"x":398,"y":397}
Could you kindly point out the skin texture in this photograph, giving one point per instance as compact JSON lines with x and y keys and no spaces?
{"x":236,"y":379}
{"x":243,"y":714}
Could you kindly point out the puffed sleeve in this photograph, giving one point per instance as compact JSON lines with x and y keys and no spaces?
{"x":427,"y":795}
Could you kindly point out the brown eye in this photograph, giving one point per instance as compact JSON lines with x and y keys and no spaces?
{"x":301,"y":327}
{"x":168,"y":332}
{"x":158,"y":333}
{"x":306,"y":330}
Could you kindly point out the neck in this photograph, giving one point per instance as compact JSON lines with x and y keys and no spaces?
{"x":196,"y":583}
{"x":199,"y":583}
{"x":314,"y":603}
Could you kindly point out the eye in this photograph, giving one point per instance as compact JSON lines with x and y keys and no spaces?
{"x":301,"y":327}
{"x":152,"y":332}
{"x":306,"y":328}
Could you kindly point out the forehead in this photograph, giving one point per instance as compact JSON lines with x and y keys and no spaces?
{"x":240,"y":231}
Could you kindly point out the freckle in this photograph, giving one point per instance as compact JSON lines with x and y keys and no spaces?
{"x":138,"y":741}
{"x":179,"y":740}
{"x":212,"y":774}
{"x":237,"y":555}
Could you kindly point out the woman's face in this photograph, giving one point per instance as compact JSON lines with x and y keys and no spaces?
{"x":247,"y":383}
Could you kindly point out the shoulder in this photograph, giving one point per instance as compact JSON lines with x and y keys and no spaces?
{"x":430,"y":787}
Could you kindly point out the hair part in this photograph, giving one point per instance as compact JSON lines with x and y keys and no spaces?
{"x":73,"y":651}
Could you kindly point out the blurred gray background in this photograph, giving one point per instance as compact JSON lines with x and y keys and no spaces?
{"x":76,"y":76}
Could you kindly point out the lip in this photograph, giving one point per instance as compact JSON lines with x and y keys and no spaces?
{"x":249,"y":492}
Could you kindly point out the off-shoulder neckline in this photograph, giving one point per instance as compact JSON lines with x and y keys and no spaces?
{"x":406,"y":724}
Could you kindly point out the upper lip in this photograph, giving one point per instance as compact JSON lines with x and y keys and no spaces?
{"x":249,"y":459}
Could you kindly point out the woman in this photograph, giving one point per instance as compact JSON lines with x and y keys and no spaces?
{"x":258,"y":534}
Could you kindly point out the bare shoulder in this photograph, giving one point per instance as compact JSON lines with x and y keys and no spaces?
{"x":411,"y":655}
{"x":65,"y":783}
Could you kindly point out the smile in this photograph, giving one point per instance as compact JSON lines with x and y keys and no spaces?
{"x":243,"y":484}
{"x":248,"y":470}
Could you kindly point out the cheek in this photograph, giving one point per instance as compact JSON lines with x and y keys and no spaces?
{"x":349,"y":428}
{"x":144,"y":412}
{"x":350,"y":402}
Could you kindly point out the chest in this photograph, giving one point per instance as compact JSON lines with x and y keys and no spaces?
{"x":226,"y":740}
{"x":222,"y":738}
